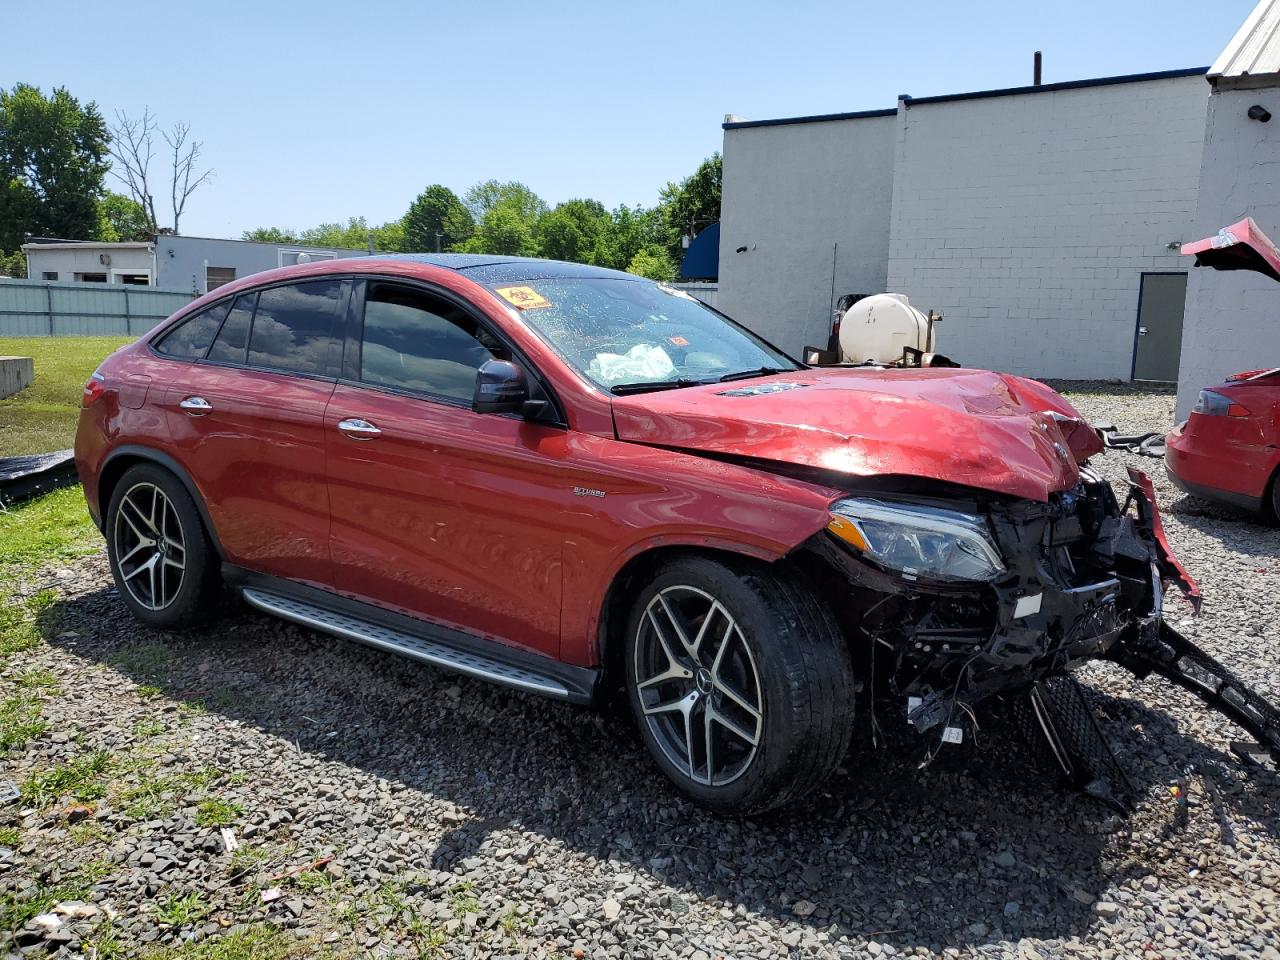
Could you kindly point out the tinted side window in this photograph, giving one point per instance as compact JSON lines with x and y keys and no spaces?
{"x":293,"y":328}
{"x":233,"y":338}
{"x":190,"y":339}
{"x":418,"y":342}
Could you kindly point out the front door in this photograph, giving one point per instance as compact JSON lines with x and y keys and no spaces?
{"x":1158,"y":344}
{"x":435,"y":508}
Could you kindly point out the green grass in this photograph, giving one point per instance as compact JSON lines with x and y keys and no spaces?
{"x":259,"y":942}
{"x":20,"y":722}
{"x":216,"y":812}
{"x":10,"y":836}
{"x":52,"y":528}
{"x":43,"y":417}
{"x":182,"y":911}
{"x":17,"y":907}
{"x":84,"y":779}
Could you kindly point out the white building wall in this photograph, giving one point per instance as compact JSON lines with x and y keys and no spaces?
{"x":1026,"y":219}
{"x":790,"y":193}
{"x":68,"y":260}
{"x":1232,"y":321}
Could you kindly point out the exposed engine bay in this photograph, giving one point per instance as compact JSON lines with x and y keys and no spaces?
{"x":1083,"y":578}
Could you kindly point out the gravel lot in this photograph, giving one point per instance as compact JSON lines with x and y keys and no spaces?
{"x":464,"y":820}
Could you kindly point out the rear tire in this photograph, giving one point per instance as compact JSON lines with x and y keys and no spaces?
{"x":740,"y":683}
{"x":162,"y":561}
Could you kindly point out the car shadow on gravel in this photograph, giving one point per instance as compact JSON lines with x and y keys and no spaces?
{"x":975,"y":848}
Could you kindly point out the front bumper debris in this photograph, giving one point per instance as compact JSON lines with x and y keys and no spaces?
{"x":1086,"y":581}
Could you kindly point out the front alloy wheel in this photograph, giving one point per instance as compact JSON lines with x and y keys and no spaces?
{"x":699,"y":689}
{"x":740,"y":682}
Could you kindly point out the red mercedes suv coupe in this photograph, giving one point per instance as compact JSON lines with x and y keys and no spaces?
{"x":581,"y":483}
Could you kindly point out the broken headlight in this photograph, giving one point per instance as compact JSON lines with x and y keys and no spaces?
{"x":918,"y":541}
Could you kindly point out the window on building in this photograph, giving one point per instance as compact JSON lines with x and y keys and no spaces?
{"x":293,"y":328}
{"x":136,"y":279}
{"x":233,"y":338}
{"x":49,"y":275}
{"x":418,"y":342}
{"x":91,"y":277}
{"x":217,"y":276}
{"x":190,"y":339}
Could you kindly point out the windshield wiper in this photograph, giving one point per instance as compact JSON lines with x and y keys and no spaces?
{"x":747,"y":374}
{"x":647,"y":386}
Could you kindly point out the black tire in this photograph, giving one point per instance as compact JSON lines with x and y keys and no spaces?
{"x":805,"y":685}
{"x":192,"y":598}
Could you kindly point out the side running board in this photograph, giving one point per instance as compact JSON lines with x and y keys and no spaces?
{"x":1180,"y":661}
{"x":398,"y":641}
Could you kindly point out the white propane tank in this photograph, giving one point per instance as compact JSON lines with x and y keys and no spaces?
{"x":877,"y":328}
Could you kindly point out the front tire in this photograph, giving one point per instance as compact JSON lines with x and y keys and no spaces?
{"x":161,"y":558}
{"x":740,"y":683}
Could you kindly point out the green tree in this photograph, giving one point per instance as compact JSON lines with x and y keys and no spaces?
{"x":484,"y":197}
{"x":576,"y":230}
{"x":504,"y":231}
{"x":631,"y":230}
{"x":437,"y":220}
{"x":13,"y":264}
{"x":270,"y":235}
{"x":52,"y":161}
{"x":691,"y":204}
{"x":652,"y":263}
{"x":121,"y":219}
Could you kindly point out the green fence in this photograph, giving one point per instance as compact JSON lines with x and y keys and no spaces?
{"x":42,"y":308}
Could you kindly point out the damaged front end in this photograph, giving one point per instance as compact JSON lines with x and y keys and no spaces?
{"x":957,"y":602}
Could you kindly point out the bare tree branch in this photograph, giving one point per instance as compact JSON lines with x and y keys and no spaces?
{"x":185,"y":179}
{"x":133,"y":150}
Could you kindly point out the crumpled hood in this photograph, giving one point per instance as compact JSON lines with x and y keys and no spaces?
{"x":972,"y":427}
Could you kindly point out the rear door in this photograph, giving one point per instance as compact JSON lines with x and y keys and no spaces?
{"x":246,"y":419}
{"x":438,"y":512}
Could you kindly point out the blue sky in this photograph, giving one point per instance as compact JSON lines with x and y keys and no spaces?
{"x":315,"y":111}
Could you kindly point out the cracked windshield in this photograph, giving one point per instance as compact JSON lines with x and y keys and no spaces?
{"x":631,"y":335}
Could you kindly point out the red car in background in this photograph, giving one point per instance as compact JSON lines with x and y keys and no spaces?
{"x":1228,"y":449}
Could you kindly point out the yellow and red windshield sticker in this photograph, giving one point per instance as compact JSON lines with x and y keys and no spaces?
{"x":522,"y":298}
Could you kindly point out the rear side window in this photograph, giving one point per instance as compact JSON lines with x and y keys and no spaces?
{"x":414,"y":341}
{"x":233,"y":338}
{"x":190,"y":339}
{"x":293,"y":328}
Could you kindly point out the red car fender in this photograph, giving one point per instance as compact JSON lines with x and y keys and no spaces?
{"x":666,"y":498}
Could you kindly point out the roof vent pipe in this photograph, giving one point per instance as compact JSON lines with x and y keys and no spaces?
{"x":1036,"y":69}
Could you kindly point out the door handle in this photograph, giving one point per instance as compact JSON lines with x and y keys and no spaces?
{"x":1142,"y":331}
{"x":196,"y":406}
{"x":358,"y":429}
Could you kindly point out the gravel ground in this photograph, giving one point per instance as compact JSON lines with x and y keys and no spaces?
{"x":464,"y":820}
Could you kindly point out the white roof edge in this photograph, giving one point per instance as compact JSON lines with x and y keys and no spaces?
{"x":1255,"y":49}
{"x":90,"y":245}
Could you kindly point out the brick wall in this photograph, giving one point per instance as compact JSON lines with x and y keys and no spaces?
{"x":1026,"y":220}
{"x":791,"y":192}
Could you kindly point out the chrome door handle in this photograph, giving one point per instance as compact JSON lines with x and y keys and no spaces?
{"x":358,"y":429}
{"x":1142,"y":331}
{"x":196,"y":406}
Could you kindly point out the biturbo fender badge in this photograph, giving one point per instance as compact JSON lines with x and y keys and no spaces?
{"x":587,"y":492}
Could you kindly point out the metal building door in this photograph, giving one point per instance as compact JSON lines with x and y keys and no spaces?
{"x":1158,"y":341}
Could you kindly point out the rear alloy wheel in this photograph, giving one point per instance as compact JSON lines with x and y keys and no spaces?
{"x":160,"y":555}
{"x":740,"y":683}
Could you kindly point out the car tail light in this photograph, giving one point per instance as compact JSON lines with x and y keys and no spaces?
{"x":94,"y":388}
{"x":1212,"y":404}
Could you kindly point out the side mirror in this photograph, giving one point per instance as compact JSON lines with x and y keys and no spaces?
{"x":500,"y":388}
